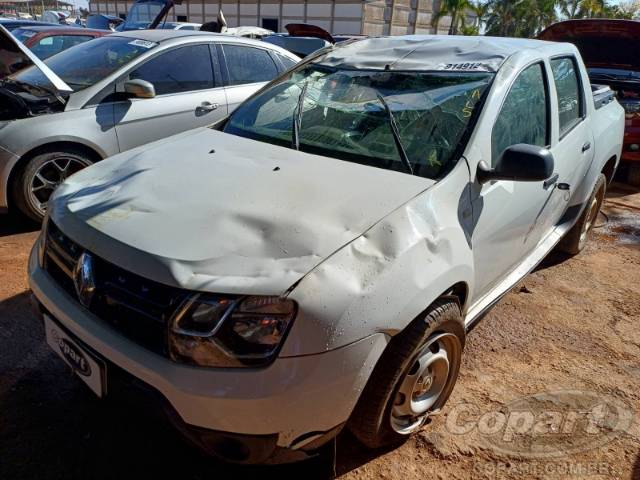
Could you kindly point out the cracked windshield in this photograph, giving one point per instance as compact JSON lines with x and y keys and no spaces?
{"x":404,"y":121}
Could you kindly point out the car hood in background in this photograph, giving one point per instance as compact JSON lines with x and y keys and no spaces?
{"x":602,"y":43}
{"x":214,"y":212}
{"x":15,"y":57}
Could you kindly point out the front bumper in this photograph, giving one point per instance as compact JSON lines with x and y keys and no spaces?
{"x":293,"y":403}
{"x":7,"y":162}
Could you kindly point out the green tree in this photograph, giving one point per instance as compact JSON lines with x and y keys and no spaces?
{"x":457,"y":10}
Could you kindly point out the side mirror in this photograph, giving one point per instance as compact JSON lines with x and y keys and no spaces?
{"x":519,"y":163}
{"x":140,"y":88}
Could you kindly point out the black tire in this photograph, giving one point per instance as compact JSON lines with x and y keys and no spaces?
{"x":576,"y":239}
{"x":371,"y":421}
{"x":45,"y":164}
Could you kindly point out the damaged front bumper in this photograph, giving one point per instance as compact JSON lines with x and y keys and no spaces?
{"x":279,"y":413}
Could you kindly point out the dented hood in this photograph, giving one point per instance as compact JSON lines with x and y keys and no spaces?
{"x":214,"y":212}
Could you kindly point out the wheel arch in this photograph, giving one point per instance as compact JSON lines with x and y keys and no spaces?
{"x":91,"y":151}
{"x":609,"y":168}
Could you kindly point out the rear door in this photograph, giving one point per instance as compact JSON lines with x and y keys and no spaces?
{"x":573,"y":148}
{"x":247,"y":69}
{"x":189,"y":94}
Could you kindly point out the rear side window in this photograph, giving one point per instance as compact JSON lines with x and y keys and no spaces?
{"x":524,"y":116}
{"x":565,"y":75}
{"x":183,"y":69}
{"x":248,"y":65}
{"x":286,"y":61}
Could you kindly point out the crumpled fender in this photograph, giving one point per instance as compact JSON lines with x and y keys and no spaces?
{"x":386,"y":277}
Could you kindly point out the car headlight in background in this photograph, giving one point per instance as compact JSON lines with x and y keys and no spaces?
{"x":217,"y":331}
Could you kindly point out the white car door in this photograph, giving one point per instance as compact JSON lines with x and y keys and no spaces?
{"x":507,"y":213}
{"x":189,"y":94}
{"x":573,"y":148}
{"x":247,"y":69}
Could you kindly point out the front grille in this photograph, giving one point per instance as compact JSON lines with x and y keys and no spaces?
{"x":136,"y":307}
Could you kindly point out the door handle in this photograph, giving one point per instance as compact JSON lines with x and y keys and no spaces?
{"x":208,"y":107}
{"x":586,"y":146}
{"x":551,"y":180}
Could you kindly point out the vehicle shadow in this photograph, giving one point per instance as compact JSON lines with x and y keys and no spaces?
{"x":13,"y":223}
{"x":53,"y":427}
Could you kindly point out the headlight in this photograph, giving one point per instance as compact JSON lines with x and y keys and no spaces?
{"x":214,"y":331}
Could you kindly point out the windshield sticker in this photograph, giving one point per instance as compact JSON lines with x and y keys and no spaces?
{"x":143,"y":43}
{"x":464,"y":66}
{"x":27,"y":34}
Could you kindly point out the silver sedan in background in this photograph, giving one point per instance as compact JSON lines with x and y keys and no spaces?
{"x":115,"y":93}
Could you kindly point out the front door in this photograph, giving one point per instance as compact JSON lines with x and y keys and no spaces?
{"x":507,"y":214}
{"x":187,"y":96}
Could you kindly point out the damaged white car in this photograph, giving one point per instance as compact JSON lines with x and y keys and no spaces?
{"x":318,"y":262}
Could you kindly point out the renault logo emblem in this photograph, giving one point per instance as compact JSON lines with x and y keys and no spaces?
{"x":83,"y":279}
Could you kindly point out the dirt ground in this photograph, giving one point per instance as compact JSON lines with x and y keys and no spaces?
{"x":571,"y":326}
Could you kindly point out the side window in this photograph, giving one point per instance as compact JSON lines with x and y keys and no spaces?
{"x":248,"y":65}
{"x":524,"y":116}
{"x":286,"y":61}
{"x":565,"y":75}
{"x":49,"y":46}
{"x":183,"y":69}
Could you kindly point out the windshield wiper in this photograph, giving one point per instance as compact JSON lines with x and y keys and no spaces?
{"x":297,"y":118}
{"x":396,"y":134}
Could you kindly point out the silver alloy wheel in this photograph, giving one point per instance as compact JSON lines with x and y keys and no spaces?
{"x":425,"y":381}
{"x":591,"y":218}
{"x":49,"y":175}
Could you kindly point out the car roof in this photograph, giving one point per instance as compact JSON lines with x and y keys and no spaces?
{"x":63,"y":29}
{"x":428,"y":52}
{"x":163,"y":35}
{"x":14,"y":22}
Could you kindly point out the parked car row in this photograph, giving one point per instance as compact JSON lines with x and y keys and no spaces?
{"x":313,"y":259}
{"x":114,"y":93}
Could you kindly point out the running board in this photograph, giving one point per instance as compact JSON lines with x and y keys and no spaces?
{"x":482,"y":306}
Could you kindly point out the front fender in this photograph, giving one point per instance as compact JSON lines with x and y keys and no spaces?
{"x":388,"y":276}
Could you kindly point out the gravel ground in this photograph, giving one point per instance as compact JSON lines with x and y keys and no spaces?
{"x":569,"y":327}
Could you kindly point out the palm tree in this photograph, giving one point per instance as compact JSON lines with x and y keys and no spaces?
{"x":592,"y":8}
{"x":481,"y":10}
{"x":570,"y":8}
{"x":456,"y":9}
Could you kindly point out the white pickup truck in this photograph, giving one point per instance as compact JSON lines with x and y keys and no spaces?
{"x":316,"y":260}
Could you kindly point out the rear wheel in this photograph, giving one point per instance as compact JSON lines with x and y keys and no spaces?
{"x":576,"y":239}
{"x":413,"y":379}
{"x":41,"y":175}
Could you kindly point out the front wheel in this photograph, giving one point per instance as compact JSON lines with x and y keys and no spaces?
{"x":41,"y":175}
{"x":413,"y":378}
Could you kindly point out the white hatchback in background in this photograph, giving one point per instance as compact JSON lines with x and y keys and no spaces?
{"x":319,"y":262}
{"x":114,"y":93}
